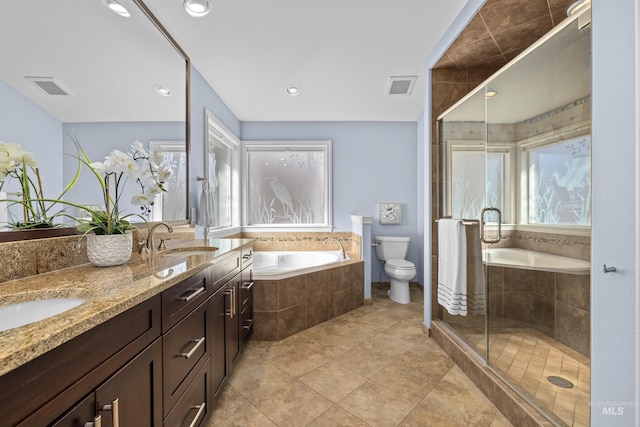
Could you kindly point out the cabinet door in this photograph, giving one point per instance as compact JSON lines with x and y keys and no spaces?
{"x":133,"y":395}
{"x":233,"y":321}
{"x":218,"y":340}
{"x":79,"y":415}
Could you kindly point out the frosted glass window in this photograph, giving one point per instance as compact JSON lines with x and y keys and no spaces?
{"x":560,"y":183}
{"x":219,"y":173}
{"x":169,"y":205}
{"x":287,"y":184}
{"x":476,"y":182}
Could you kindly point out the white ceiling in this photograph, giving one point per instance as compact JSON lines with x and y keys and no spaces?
{"x":340,"y":52}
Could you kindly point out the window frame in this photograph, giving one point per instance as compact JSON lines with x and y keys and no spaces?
{"x":324,"y":146}
{"x":524,"y":151}
{"x":509,"y":171}
{"x":217,"y":133}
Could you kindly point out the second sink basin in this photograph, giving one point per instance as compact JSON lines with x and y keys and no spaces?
{"x":23,"y":313}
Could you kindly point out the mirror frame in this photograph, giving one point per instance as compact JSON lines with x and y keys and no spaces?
{"x":11,"y":236}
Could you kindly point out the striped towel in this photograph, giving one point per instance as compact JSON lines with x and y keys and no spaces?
{"x":452,"y":266}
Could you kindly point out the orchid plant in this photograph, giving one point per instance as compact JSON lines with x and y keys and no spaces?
{"x":19,"y":164}
{"x":145,"y":166}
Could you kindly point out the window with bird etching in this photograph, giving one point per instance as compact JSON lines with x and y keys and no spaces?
{"x":286,"y":186}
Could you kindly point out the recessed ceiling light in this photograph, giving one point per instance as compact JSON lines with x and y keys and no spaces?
{"x":163,"y":90}
{"x":197,"y":8}
{"x":490,"y":93}
{"x":292,"y":90}
{"x":116,"y":7}
{"x":577,"y":6}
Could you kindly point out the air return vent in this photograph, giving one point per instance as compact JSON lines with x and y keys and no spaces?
{"x":401,"y":85}
{"x":49,"y":85}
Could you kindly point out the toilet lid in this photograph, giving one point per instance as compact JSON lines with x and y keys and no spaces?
{"x":400,"y":264}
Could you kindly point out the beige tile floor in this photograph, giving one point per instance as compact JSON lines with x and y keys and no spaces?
{"x":371,"y":367}
{"x":527,"y":358}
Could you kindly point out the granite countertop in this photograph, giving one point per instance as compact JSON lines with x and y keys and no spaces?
{"x":107,"y":291}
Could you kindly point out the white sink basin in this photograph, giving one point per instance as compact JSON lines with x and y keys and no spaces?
{"x":23,"y":313}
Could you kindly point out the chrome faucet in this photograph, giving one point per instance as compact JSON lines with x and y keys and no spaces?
{"x":344,"y":255}
{"x":150,"y":242}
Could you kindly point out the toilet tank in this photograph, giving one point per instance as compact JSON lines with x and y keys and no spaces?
{"x":391,"y":247}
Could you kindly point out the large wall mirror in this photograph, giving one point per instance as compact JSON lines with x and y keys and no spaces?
{"x":77,"y":70}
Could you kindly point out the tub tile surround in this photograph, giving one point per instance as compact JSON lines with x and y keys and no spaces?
{"x":288,"y":306}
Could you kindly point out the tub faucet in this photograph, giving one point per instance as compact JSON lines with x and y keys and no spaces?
{"x":150,"y":243}
{"x":344,"y":255}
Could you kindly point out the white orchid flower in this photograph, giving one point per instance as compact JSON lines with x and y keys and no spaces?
{"x":140,"y":199}
{"x":139,"y":148}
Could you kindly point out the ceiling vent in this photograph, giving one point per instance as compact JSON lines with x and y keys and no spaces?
{"x":49,"y":85}
{"x":401,"y":85}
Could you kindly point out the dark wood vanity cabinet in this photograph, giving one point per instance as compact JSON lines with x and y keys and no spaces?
{"x":162,"y":362}
{"x":128,"y":398}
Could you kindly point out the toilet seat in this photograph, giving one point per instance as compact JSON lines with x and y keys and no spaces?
{"x":400,"y":264}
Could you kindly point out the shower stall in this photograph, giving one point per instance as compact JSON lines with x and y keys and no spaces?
{"x":514,"y":159}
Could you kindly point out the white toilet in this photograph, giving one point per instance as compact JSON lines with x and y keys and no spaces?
{"x":392,"y":250}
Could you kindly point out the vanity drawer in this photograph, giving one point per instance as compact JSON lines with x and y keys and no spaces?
{"x":185,"y":348}
{"x":195,"y":404}
{"x":246,"y":323}
{"x":181,"y":299}
{"x":247,"y":257}
{"x":225,"y":268}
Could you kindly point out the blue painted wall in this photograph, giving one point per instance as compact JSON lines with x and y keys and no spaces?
{"x":24,"y":122}
{"x":373,"y":162}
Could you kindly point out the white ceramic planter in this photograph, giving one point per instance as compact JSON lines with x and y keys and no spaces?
{"x":109,"y":250}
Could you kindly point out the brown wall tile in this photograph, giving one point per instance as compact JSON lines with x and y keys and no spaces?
{"x":516,"y":279}
{"x":292,"y":291}
{"x":318,"y":284}
{"x":574,"y":290}
{"x":543,"y":316}
{"x":292,"y":320}
{"x":265,"y":326}
{"x":339,"y":302}
{"x":318,"y":311}
{"x":573,"y":327}
{"x":339,"y":278}
{"x":265,"y":295}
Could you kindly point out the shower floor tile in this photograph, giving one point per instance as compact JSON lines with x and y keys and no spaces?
{"x":527,"y":357}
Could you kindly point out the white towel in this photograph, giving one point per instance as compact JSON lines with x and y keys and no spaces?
{"x":452,"y":266}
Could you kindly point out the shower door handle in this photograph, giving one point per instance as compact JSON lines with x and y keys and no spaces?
{"x":483,"y":236}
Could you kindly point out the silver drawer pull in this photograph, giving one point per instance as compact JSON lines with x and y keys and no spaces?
{"x":97,"y":422}
{"x":115,"y":412}
{"x":200,"y":409}
{"x":248,"y":325}
{"x":198,"y":342}
{"x":246,"y":257}
{"x":247,"y":285}
{"x":192,"y":295}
